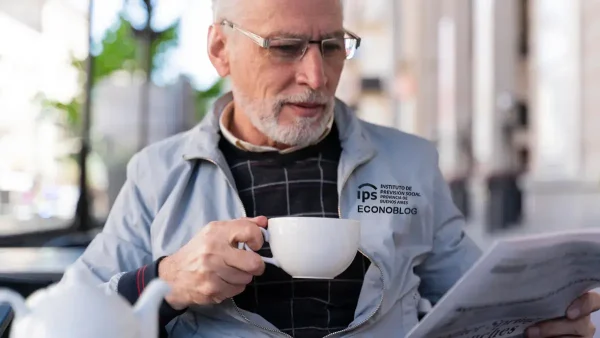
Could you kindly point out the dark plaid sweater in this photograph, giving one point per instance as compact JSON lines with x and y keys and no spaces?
{"x":301,"y":183}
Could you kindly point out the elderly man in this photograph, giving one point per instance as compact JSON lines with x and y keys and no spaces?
{"x":281,"y":144}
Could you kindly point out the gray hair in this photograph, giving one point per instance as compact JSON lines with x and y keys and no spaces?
{"x":223,"y":9}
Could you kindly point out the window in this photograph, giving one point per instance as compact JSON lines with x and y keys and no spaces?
{"x":38,"y":174}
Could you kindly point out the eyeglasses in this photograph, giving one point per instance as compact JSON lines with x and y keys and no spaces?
{"x":294,"y":49}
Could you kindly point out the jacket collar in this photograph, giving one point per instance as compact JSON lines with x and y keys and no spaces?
{"x":203,"y":140}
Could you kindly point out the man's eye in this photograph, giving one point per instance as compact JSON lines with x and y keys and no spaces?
{"x":287,"y":49}
{"x":334,"y":48}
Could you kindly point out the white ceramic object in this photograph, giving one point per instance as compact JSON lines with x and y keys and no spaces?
{"x":77,"y":307}
{"x":311,"y":247}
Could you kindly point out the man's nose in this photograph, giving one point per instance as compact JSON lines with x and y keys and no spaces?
{"x":312,"y":69}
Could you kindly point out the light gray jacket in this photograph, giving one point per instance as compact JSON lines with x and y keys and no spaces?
{"x":411,"y":230}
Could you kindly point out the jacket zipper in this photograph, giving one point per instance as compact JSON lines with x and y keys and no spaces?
{"x":239,"y":311}
{"x":370,"y":259}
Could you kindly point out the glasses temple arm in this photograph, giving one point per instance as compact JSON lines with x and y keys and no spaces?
{"x":257,"y":39}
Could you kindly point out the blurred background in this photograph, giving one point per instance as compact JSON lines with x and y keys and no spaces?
{"x":505,"y":88}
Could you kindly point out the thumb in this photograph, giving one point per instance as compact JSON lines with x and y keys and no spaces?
{"x":261,"y":221}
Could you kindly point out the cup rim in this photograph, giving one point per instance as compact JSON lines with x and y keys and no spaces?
{"x":312,"y":218}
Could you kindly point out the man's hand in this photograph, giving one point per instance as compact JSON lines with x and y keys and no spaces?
{"x":210,"y":268}
{"x":577,"y":322}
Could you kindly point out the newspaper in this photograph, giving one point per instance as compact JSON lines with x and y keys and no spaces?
{"x":516,"y":284}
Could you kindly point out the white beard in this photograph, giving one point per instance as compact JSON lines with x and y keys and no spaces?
{"x":304,"y":131}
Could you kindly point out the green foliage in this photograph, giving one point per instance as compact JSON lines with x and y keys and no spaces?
{"x":167,"y":40}
{"x":120,"y":50}
{"x":70,"y":116}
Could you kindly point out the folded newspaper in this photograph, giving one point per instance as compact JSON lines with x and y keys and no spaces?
{"x":515,"y":284}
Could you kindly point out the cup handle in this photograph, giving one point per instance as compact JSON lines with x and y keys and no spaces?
{"x":270,"y":260}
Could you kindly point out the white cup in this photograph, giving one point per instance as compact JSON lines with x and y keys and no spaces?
{"x":311,"y":247}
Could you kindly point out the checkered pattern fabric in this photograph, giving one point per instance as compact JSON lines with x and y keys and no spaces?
{"x":302,"y":183}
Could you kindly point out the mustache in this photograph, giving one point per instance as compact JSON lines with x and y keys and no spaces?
{"x":310,"y":96}
{"x":313,"y":97}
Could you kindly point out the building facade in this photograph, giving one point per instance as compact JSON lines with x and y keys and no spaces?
{"x":511,"y":84}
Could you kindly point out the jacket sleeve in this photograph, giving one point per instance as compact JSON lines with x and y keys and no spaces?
{"x":453,"y":251}
{"x":121,"y":256}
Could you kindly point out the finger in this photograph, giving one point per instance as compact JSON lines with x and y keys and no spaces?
{"x":215,"y":288}
{"x":581,"y":327}
{"x":233,"y":275}
{"x":217,"y":265}
{"x":246,"y":261}
{"x":230,"y":290}
{"x":245,"y":231}
{"x":584,"y":305}
{"x":261,"y":221}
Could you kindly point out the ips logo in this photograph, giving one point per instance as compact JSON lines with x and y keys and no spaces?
{"x":366,"y":191}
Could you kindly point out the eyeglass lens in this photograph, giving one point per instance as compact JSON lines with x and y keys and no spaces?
{"x":294,"y":49}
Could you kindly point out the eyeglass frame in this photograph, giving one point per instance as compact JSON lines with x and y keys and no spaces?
{"x":266,"y":42}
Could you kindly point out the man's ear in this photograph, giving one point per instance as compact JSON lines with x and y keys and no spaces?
{"x":217,"y":52}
